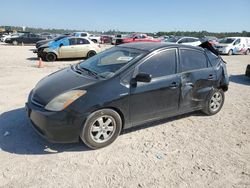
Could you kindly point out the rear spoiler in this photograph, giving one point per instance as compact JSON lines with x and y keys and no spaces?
{"x":209,"y":47}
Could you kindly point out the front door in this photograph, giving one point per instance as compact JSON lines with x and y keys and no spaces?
{"x":158,"y":98}
{"x":68,"y":51}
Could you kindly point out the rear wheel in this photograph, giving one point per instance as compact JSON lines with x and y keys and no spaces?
{"x":101,"y":128}
{"x":91,"y":53}
{"x":15,"y":42}
{"x":50,"y":57}
{"x":214,"y":102}
{"x":230,"y":52}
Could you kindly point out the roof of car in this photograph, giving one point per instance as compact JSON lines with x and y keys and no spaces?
{"x":151,"y":46}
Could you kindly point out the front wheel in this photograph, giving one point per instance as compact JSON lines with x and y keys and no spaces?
{"x":101,"y":128}
{"x":230,"y":52}
{"x":214,"y":102}
{"x":247,"y":52}
{"x":50,"y":57}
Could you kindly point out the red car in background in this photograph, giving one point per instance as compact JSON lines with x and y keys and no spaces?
{"x":136,"y":37}
{"x":106,"y":39}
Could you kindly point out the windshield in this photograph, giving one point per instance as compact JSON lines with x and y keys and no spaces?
{"x":107,"y":63}
{"x":59,"y":38}
{"x":227,"y":40}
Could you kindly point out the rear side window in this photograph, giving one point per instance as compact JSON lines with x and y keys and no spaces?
{"x":82,"y":41}
{"x":183,"y":40}
{"x":161,"y":64}
{"x":83,"y":34}
{"x":192,"y":60}
{"x":214,"y":60}
{"x":192,"y":40}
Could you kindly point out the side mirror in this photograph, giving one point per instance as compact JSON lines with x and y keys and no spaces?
{"x":143,"y":77}
{"x":60,"y":45}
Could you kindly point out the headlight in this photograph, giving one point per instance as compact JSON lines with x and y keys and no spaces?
{"x":62,"y":101}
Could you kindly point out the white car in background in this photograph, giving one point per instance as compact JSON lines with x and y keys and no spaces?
{"x":233,"y":45}
{"x":14,"y":35}
{"x":94,"y":38}
{"x":4,"y":37}
{"x":184,"y":40}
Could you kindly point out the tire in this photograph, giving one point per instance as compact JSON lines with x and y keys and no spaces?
{"x":50,"y":57}
{"x":247,"y":52}
{"x":91,"y":53}
{"x":100,"y":124}
{"x":214,"y":102}
{"x":15,"y":42}
{"x":230,"y":52}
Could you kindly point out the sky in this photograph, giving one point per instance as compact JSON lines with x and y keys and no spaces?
{"x":129,"y":15}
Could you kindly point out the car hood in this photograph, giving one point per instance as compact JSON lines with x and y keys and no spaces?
{"x":44,"y":41}
{"x":58,"y":83}
{"x":46,"y":45}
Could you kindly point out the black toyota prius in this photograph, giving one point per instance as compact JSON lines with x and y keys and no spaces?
{"x":126,"y":86}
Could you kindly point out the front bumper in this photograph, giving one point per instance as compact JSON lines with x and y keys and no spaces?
{"x":56,"y":127}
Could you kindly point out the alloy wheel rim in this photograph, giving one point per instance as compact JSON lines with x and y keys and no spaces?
{"x":215,"y":101}
{"x":103,"y":129}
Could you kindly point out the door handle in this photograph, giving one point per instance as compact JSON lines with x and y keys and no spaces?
{"x":210,"y":77}
{"x":189,"y":84}
{"x":173,"y":85}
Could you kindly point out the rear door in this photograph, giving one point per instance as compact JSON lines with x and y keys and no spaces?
{"x":24,"y":39}
{"x":82,"y":47}
{"x":160,"y":97}
{"x":197,"y":78}
{"x":33,"y":38}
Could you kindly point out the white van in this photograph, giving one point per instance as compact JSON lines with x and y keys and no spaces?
{"x":233,"y":45}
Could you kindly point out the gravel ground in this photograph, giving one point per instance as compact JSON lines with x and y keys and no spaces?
{"x":192,"y":150}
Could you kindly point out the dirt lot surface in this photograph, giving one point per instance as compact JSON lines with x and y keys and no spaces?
{"x":192,"y":150}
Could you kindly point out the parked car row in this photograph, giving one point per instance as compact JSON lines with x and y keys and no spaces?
{"x":229,"y":45}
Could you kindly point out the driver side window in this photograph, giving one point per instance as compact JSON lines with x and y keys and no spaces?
{"x":72,"y":41}
{"x":183,"y":40}
{"x":160,"y":64}
{"x":237,"y":42}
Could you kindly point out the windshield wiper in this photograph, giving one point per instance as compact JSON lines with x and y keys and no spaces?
{"x":93,"y":73}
